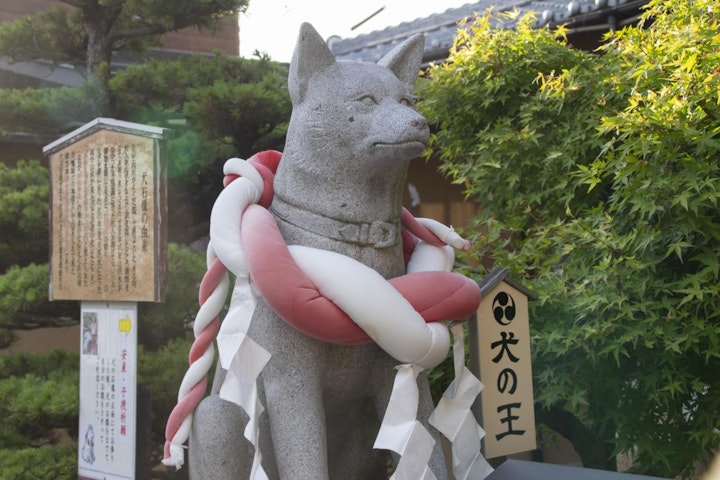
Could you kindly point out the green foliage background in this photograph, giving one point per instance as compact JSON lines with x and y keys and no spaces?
{"x":90,"y":33}
{"x":217,"y":108}
{"x":598,"y":179}
{"x":23,"y":217}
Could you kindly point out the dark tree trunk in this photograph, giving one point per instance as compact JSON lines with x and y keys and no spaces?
{"x":99,"y":53}
{"x":594,"y":452}
{"x":99,"y":21}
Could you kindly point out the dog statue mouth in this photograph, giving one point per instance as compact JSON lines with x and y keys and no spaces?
{"x":411,"y":147}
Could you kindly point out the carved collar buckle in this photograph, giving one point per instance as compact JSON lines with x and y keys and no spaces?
{"x":379,"y":234}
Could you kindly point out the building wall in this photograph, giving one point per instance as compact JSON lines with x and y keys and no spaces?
{"x":14,"y":9}
{"x":225,"y":38}
{"x":439,"y":198}
{"x":45,"y":340}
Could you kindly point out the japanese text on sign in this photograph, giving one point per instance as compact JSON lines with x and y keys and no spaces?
{"x":108,"y":366}
{"x":507,"y":400}
{"x":107,"y":214}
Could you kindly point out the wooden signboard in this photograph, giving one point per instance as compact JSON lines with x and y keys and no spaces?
{"x":501,"y":339}
{"x":108,"y":213}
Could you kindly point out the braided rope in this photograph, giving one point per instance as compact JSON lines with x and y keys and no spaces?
{"x":211,"y":297}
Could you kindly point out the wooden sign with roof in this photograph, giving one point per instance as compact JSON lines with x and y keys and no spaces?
{"x":108,"y":213}
{"x":500,"y":353}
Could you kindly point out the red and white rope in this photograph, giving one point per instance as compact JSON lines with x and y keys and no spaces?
{"x":212,"y":295}
{"x":341,"y":310}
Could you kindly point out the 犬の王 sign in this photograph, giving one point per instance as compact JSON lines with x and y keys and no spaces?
{"x":503,"y":341}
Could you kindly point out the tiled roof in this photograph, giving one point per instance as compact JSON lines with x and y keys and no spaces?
{"x":440,"y":28}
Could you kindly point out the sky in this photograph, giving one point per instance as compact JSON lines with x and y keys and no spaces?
{"x":271,"y":26}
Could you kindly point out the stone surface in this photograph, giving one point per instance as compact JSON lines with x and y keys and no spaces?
{"x":339,"y":186}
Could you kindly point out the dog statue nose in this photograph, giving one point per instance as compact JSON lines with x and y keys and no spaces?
{"x":419,"y":123}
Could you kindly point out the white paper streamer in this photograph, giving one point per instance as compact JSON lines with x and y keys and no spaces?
{"x":234,"y":327}
{"x":454,"y":419}
{"x":401,"y":432}
{"x":238,"y":354}
{"x":240,"y":387}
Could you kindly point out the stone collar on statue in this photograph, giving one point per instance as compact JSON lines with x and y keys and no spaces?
{"x":377,"y":234}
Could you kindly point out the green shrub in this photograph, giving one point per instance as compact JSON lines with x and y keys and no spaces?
{"x":33,"y":404}
{"x":46,"y":462}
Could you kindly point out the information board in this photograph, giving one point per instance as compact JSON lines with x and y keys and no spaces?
{"x":108,"y":397}
{"x":108,"y":213}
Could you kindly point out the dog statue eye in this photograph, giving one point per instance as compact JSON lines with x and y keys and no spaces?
{"x":408,"y":101}
{"x":367,"y":100}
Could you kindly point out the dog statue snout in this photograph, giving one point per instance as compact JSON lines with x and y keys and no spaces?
{"x":419,"y":123}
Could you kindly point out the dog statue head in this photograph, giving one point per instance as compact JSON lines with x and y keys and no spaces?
{"x":353,"y":130}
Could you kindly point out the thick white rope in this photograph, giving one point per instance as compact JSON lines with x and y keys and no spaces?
{"x":374,"y":304}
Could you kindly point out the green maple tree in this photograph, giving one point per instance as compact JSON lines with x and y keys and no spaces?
{"x":599,"y":184}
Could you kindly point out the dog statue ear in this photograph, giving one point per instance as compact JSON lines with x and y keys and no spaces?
{"x":310,"y":56}
{"x":405,"y":59}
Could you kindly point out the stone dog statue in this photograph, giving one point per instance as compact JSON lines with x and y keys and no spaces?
{"x":338,"y":188}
